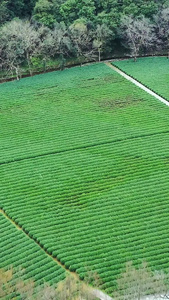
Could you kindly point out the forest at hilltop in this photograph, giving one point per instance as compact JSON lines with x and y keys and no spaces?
{"x":36,"y":32}
{"x":94,"y":12}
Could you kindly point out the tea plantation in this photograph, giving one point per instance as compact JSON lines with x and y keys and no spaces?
{"x":151,"y":71}
{"x":17,"y":250}
{"x":84,"y":171}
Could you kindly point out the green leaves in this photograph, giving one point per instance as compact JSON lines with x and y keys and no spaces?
{"x":151,"y":71}
{"x":84,"y":171}
{"x":43,"y":13}
{"x":20,"y":251}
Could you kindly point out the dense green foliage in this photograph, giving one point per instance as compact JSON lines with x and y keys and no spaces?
{"x":88,"y":30}
{"x":152,"y":72}
{"x":84,"y":169}
{"x":17,"y":8}
{"x":92,"y":10}
{"x":24,"y":254}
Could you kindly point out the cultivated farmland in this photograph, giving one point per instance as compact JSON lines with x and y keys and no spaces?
{"x":153,"y":72}
{"x":18,"y":250}
{"x":84,"y":169}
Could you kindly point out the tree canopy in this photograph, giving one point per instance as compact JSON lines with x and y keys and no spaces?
{"x":70,"y":10}
{"x":88,"y":29}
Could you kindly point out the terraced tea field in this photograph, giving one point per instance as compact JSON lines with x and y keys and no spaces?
{"x":84,"y":171}
{"x":18,"y":250}
{"x":153,"y":72}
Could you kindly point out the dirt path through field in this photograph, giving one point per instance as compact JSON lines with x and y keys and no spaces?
{"x":140,"y":85}
{"x":97,"y":293}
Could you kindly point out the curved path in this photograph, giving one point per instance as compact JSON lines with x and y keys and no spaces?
{"x":143,"y":87}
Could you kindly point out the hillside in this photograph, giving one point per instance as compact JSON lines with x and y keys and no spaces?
{"x":84,"y":171}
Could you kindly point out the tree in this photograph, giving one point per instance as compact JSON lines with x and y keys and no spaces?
{"x":162,"y":29}
{"x":101,"y":35}
{"x":72,"y":10}
{"x":4,"y":13}
{"x":43,"y":13}
{"x":19,"y":41}
{"x":56,"y":42}
{"x":31,"y":43}
{"x":73,"y":289}
{"x":56,"y":10}
{"x":10,"y":49}
{"x":135,"y":283}
{"x":140,"y":7}
{"x":19,"y":8}
{"x":137,"y":34}
{"x":15,"y":8}
{"x":12,"y":282}
{"x":82,"y":40}
{"x":28,"y":8}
